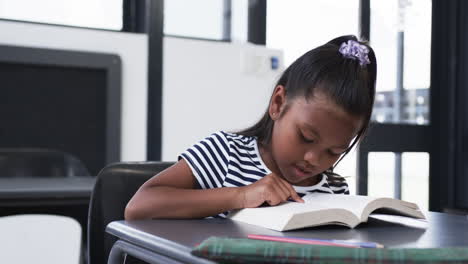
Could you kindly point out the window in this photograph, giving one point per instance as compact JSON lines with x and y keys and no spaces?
{"x":196,"y":19}
{"x":401,"y":37}
{"x":415,"y":178}
{"x":381,"y":174}
{"x":102,"y":14}
{"x":298,"y":26}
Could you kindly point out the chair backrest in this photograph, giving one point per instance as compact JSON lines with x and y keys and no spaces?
{"x":32,"y":238}
{"x":37,"y":162}
{"x":115,"y":186}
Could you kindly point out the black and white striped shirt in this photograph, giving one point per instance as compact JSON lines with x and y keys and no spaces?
{"x":232,"y":160}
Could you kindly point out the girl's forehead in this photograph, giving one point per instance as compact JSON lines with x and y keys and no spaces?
{"x":318,"y":101}
{"x":321,"y":111}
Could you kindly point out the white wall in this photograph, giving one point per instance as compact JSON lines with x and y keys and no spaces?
{"x":133,"y":50}
{"x":210,"y":86}
{"x":207,"y":85}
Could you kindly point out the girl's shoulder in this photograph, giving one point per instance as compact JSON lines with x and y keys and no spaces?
{"x":336,"y":182}
{"x":234,"y":143}
{"x":334,"y":179}
{"x":233,"y":137}
{"x":229,"y":141}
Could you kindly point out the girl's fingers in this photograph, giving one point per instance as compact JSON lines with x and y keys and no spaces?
{"x":275,"y":193}
{"x":280,"y":192}
{"x":286,"y":192}
{"x":296,"y":197}
{"x":291,"y":192}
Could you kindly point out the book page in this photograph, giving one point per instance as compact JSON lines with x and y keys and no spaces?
{"x":315,"y":202}
{"x":319,"y":209}
{"x":292,"y":215}
{"x":402,"y":220}
{"x":362,"y":206}
{"x":290,"y":208}
{"x":354,"y":203}
{"x":322,"y":201}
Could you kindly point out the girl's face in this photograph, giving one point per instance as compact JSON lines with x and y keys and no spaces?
{"x":308,"y":136}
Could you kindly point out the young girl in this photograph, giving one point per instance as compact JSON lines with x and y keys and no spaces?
{"x":319,"y":109}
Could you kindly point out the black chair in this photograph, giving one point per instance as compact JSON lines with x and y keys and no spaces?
{"x":37,"y":162}
{"x":115,"y":186}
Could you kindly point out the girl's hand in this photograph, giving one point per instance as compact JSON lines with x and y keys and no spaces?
{"x":270,"y":189}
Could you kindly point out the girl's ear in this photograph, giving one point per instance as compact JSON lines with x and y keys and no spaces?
{"x":277,"y":103}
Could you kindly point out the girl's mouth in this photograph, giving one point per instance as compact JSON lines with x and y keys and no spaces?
{"x":301,"y":173}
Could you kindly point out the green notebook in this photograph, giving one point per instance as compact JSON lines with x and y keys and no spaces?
{"x":231,"y":250}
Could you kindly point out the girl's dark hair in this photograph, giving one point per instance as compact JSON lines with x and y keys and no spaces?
{"x":344,"y":80}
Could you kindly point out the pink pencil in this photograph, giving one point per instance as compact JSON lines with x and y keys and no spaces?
{"x":299,"y":241}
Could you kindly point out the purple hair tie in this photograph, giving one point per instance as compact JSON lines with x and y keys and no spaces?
{"x":354,"y":50}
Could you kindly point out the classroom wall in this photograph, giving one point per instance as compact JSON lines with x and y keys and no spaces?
{"x":131,"y":47}
{"x":207,"y":85}
{"x":210,"y":86}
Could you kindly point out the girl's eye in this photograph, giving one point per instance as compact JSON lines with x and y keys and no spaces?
{"x":307,"y":140}
{"x":334,"y":154}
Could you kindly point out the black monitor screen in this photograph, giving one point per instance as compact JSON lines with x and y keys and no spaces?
{"x":61,"y":107}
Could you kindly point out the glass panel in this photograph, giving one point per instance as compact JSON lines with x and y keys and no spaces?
{"x":197,"y":19}
{"x":298,"y":26}
{"x":401,"y":37}
{"x":415,"y":178}
{"x":239,"y":20}
{"x":381,"y":174}
{"x":105,"y":14}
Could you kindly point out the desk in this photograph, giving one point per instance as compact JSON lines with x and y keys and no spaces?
{"x":32,"y":191}
{"x":67,"y":196}
{"x":170,"y":241}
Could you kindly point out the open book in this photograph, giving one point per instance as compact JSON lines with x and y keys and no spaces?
{"x":323,"y":209}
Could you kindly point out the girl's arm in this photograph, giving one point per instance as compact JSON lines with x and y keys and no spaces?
{"x":172,"y":194}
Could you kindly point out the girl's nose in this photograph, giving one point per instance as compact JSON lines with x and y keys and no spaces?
{"x":312,"y":157}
